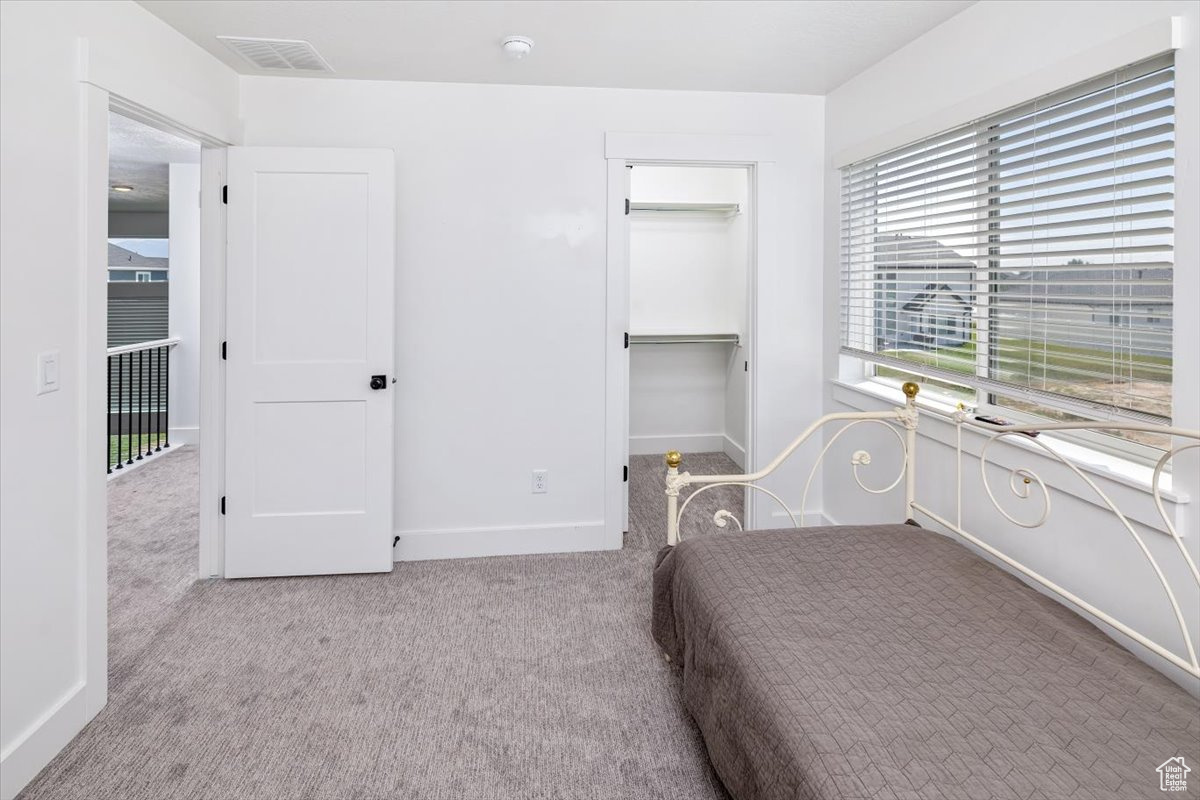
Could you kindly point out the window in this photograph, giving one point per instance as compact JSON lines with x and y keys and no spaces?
{"x":142,"y":277}
{"x":1039,"y":240}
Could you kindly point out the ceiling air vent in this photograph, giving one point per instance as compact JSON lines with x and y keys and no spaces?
{"x":289,"y":54}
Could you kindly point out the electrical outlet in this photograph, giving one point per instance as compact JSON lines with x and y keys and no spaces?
{"x":541,"y":481}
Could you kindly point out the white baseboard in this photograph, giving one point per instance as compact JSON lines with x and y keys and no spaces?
{"x":32,"y":751}
{"x":185,"y":435}
{"x":812,"y":519}
{"x":735,"y":451}
{"x":684,"y":443}
{"x":506,"y":541}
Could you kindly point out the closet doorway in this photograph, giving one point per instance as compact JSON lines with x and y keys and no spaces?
{"x":690,"y":245}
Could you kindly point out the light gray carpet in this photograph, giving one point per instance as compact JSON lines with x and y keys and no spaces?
{"x":153,"y":514}
{"x":519,"y":677}
{"x":648,"y":505}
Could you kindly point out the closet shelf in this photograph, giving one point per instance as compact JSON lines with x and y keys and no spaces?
{"x":683,"y":338}
{"x":713,"y":209}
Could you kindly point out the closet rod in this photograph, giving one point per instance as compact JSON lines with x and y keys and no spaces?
{"x":682,"y":338}
{"x":727,"y":209}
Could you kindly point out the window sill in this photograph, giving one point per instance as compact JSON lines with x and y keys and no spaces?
{"x":1094,"y":462}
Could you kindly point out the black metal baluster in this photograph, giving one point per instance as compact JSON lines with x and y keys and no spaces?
{"x":158,"y":405}
{"x":140,"y":388}
{"x":129,"y":427}
{"x":120,"y":407}
{"x":143,"y":421}
{"x":108,"y":465}
{"x":167,"y":405}
{"x":127,"y":418}
{"x":149,"y":396}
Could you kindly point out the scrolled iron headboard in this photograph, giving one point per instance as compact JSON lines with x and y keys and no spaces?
{"x":1024,"y":483}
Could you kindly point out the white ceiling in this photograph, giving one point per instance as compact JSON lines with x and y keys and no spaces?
{"x":806,"y":47}
{"x":138,"y":156}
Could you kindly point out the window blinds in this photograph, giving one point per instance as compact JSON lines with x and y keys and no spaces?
{"x":1027,"y":254}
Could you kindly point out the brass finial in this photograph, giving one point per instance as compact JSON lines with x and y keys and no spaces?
{"x":674,"y":459}
{"x":910,"y":390}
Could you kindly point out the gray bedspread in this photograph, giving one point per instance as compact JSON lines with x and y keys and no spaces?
{"x":890,"y":662}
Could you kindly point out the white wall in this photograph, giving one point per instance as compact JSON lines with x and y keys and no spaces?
{"x":677,"y":397}
{"x":983,"y":52}
{"x":51,"y":517}
{"x":736,"y":411}
{"x":184,"y":302}
{"x":501,"y":218}
{"x":688,"y":274}
{"x":736,"y":364}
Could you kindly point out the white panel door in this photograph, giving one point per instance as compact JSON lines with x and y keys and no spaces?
{"x":625,"y":392}
{"x":309,"y":324}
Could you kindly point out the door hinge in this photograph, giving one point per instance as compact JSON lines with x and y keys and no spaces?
{"x":625,"y":474}
{"x":224,"y":351}
{"x":225,"y":194}
{"x":626,"y":340}
{"x":627,"y":206}
{"x":746,"y":367}
{"x":222,"y":504}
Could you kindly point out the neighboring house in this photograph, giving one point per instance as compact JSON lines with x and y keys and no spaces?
{"x":126,"y":265}
{"x":935,"y":317}
{"x":1073,"y":301}
{"x":922,"y":290}
{"x":137,"y":306}
{"x":919,"y":294}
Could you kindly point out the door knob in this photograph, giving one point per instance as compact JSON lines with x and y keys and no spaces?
{"x":378,"y":382}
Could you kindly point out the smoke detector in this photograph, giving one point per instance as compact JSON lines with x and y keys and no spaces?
{"x":517,"y":47}
{"x":286,"y":54}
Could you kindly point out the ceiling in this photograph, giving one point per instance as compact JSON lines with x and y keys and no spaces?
{"x":806,"y":47}
{"x":138,"y":156}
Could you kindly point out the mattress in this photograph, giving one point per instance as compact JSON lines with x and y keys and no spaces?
{"x":887,"y":661}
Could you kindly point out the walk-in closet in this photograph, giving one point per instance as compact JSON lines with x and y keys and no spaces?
{"x":689,"y":256}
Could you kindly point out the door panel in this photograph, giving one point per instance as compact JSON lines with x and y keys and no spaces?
{"x":278,"y":489}
{"x":309,"y":451}
{"x":298,"y":215}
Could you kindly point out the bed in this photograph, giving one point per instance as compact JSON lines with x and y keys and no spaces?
{"x":891,"y":661}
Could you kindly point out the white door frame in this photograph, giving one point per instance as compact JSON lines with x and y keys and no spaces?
{"x":758,"y":154}
{"x":100,"y":88}
{"x":211,"y":438}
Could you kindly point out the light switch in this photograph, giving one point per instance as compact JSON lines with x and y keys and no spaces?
{"x":47,"y":372}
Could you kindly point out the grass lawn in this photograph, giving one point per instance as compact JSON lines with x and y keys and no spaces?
{"x":1024,"y":359}
{"x":1141,"y":383}
{"x":126,"y":441}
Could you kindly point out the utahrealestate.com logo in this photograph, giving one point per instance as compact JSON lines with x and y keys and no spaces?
{"x":1172,"y":775}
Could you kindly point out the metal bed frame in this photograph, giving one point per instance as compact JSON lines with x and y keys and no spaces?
{"x":902,"y":423}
